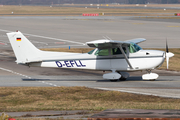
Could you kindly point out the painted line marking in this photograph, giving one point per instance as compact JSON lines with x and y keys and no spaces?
{"x":60,"y":42}
{"x":4,"y":53}
{"x":59,"y":46}
{"x":173,"y":26}
{"x":40,"y":42}
{"x":48,"y":83}
{"x":46,"y":37}
{"x":3,"y":43}
{"x":140,"y":93}
{"x":137,"y":23}
{"x":7,"y":70}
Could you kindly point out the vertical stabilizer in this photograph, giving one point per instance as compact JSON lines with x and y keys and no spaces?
{"x":23,"y":49}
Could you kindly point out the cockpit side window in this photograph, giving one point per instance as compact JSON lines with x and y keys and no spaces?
{"x":134,"y":48}
{"x":102,"y":52}
{"x":117,"y":51}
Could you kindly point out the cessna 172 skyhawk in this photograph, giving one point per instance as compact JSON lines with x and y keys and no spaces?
{"x":108,"y":55}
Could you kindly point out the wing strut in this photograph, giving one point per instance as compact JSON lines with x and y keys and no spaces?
{"x":127,"y":60}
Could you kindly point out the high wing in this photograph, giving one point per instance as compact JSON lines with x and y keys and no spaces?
{"x":137,"y":40}
{"x":106,"y":43}
{"x":112,"y":43}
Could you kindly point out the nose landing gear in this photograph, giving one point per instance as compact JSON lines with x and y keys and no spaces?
{"x":115,"y":76}
{"x":150,"y":76}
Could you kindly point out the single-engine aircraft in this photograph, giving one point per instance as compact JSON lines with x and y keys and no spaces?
{"x":108,"y":55}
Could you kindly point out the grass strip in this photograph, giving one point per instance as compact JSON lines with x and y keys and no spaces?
{"x":16,"y":99}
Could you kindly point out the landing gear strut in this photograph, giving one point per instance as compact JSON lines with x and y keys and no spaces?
{"x":114,"y":76}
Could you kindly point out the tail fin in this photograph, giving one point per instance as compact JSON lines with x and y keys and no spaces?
{"x":24,"y":50}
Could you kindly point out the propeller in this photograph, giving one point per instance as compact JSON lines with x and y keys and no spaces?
{"x":168,"y":54}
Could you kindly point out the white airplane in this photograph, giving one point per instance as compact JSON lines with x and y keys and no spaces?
{"x":108,"y":55}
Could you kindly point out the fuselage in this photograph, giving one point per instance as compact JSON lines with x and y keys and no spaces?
{"x":109,"y":55}
{"x":140,"y":60}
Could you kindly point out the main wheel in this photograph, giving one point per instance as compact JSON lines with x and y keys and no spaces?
{"x":114,"y":80}
{"x":122,"y":79}
{"x":152,"y":79}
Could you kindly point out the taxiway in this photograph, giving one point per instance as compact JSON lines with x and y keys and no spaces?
{"x":49,"y":32}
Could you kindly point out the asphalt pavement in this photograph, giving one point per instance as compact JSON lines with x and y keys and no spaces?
{"x":50,"y":32}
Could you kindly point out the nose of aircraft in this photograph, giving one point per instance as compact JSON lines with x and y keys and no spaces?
{"x":155,"y":53}
{"x":166,"y":55}
{"x":161,"y":55}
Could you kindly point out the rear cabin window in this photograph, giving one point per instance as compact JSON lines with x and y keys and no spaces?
{"x":102,"y":52}
{"x":117,"y":51}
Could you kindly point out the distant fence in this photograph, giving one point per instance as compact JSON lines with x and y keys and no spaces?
{"x":90,"y":14}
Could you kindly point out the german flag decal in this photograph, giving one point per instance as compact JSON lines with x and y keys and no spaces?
{"x":18,"y":39}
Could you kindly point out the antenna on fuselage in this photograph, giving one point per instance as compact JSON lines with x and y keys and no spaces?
{"x":107,"y":38}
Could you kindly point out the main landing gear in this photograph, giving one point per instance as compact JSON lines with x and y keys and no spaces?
{"x":115,"y":76}
{"x":122,"y":78}
{"x":150,"y":76}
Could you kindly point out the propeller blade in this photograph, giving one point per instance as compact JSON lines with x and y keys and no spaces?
{"x":168,"y":54}
{"x":167,"y":61}
{"x":167,"y":50}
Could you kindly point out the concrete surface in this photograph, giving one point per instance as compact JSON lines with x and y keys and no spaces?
{"x":62,"y":31}
{"x":75,"y":114}
{"x":136,"y":114}
{"x":84,"y":29}
{"x":109,"y":114}
{"x":47,"y":32}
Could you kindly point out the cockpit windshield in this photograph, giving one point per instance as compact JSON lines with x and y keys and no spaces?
{"x":134,"y":48}
{"x":90,"y":52}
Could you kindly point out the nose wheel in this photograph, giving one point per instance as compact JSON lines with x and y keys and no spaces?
{"x":150,"y":76}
